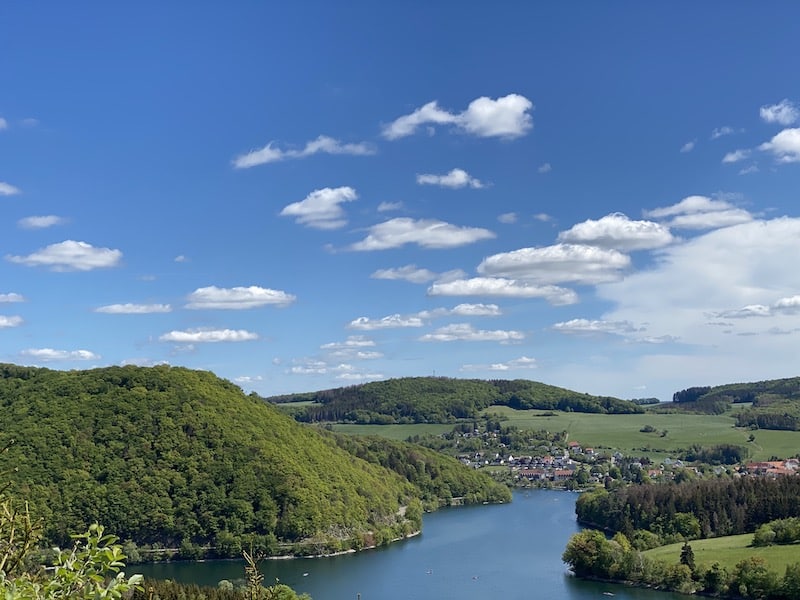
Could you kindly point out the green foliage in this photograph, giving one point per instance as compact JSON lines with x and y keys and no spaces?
{"x":441,"y":400}
{"x":780,"y":531}
{"x":91,"y":570}
{"x":173,"y":458}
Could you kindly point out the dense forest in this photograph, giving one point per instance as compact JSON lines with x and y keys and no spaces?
{"x":442,"y":400}
{"x":774,"y":404}
{"x":172,"y":457}
{"x":694,"y":509}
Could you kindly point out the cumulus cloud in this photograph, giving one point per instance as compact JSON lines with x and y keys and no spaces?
{"x":406,"y":273}
{"x":3,"y":124}
{"x":505,"y":117}
{"x":785,"y":146}
{"x":10,"y":321}
{"x":545,"y":168}
{"x":133,"y":309}
{"x":457,"y":178}
{"x":789,"y":305}
{"x":503,"y":288}
{"x":6,"y":189}
{"x":784,"y":112}
{"x":558,"y":264}
{"x":721,"y":131}
{"x":523,"y":362}
{"x":353,"y":341}
{"x":701,"y":212}
{"x":507,"y":218}
{"x":387,"y":322}
{"x":353,"y":348}
{"x":464,"y":332}
{"x":237,"y":298}
{"x":42,"y":222}
{"x":688,"y":146}
{"x":389,"y":206}
{"x":321,"y":208}
{"x":51,"y":355}
{"x":70,"y":256}
{"x":193,"y":336}
{"x":543,"y":217}
{"x":618,"y":231}
{"x":736,"y":156}
{"x":323,"y":144}
{"x":427,"y":233}
{"x":11,"y":297}
{"x":593,"y":327}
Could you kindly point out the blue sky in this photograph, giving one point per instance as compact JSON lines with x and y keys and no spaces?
{"x":298,"y":196}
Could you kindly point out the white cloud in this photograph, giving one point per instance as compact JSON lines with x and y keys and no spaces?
{"x":693,"y":284}
{"x":784,"y":306}
{"x":321,"y":208}
{"x":736,"y":156}
{"x":523,"y":362}
{"x":388,"y":322}
{"x":40,"y":222}
{"x":51,"y":355}
{"x":359,"y":376}
{"x":507,"y":218}
{"x":618,"y":231}
{"x":457,"y":178}
{"x":407,"y":273}
{"x":506,"y":117}
{"x":248,"y":379}
{"x":6,"y":189}
{"x":558,"y":264}
{"x":544,"y":168}
{"x":237,"y":298}
{"x":543,"y":217}
{"x":323,"y":144}
{"x":70,"y":256}
{"x":464,"y":332}
{"x":476,"y":310}
{"x":503,"y":288}
{"x":748,"y":170}
{"x":193,"y":336}
{"x":784,"y":112}
{"x":591,"y":327}
{"x":12,"y":321}
{"x":389,"y":206}
{"x":688,"y":146}
{"x":3,"y":124}
{"x":352,"y":341}
{"x":785,"y":146}
{"x":721,"y":131}
{"x":181,"y":259}
{"x":133,"y":309}
{"x":427,"y":233}
{"x":11,"y":297}
{"x":701,"y":212}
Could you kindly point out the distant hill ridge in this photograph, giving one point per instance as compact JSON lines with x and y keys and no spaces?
{"x":442,"y":400}
{"x":174,"y":457}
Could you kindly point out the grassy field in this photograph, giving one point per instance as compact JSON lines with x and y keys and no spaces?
{"x":622,"y":432}
{"x":728,"y":551}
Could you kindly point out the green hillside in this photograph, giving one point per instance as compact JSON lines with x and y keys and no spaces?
{"x":441,"y":400}
{"x":771,"y":404}
{"x":174,"y":457}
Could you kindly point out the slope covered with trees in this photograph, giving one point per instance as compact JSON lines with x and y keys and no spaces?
{"x":775,"y":403}
{"x":442,"y":400}
{"x":180,"y":458}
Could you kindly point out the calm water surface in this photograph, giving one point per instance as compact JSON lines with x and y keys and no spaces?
{"x":497,"y":552}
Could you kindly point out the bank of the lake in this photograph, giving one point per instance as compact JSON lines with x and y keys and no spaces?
{"x":506,"y":552}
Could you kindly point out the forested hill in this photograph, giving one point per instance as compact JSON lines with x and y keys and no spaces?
{"x":442,"y":399}
{"x":775,"y":403}
{"x":176,"y":457}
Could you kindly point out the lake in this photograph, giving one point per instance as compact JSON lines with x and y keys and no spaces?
{"x":500,"y":552}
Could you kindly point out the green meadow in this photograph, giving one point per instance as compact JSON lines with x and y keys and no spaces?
{"x":621,"y":432}
{"x":728,"y":551}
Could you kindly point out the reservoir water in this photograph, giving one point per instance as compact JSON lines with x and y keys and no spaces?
{"x":495,"y":552}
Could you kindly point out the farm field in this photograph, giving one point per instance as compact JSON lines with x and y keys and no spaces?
{"x":621,"y":432}
{"x":728,"y":551}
